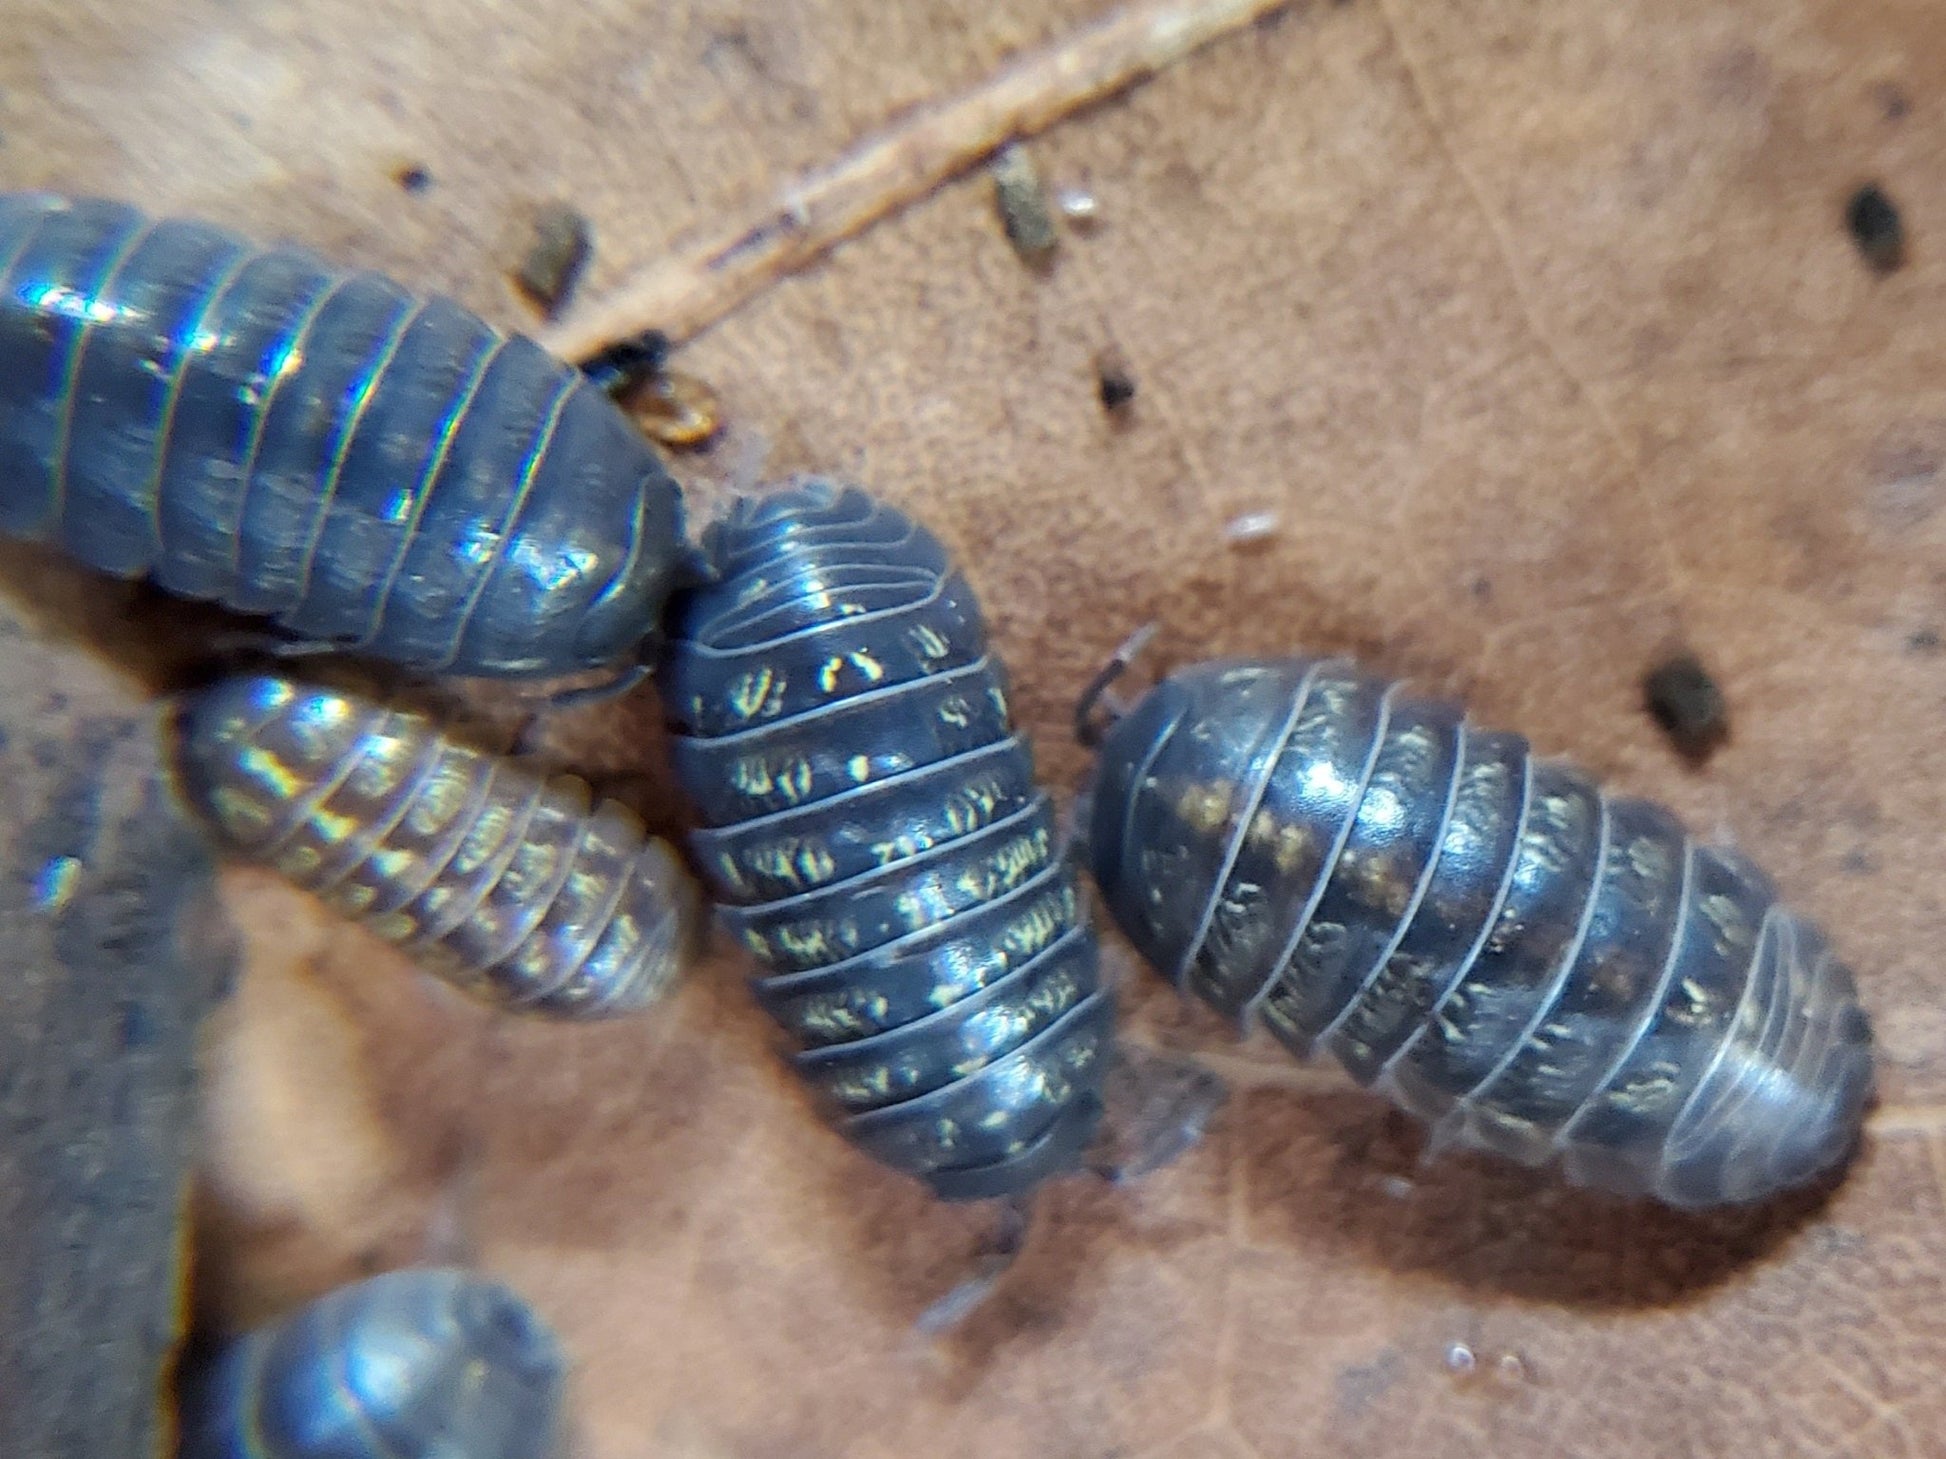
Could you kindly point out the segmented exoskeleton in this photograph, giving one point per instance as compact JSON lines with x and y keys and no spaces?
{"x":253,"y":426}
{"x":878,"y":842}
{"x":1531,"y":965}
{"x":425,"y":1363}
{"x":501,"y":881}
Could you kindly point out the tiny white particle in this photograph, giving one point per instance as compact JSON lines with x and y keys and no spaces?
{"x":1079,"y":206}
{"x":1250,"y":527}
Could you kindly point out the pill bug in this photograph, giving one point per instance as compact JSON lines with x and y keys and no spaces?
{"x":874,"y":836}
{"x":1530,"y":965}
{"x":313,"y":445}
{"x":501,"y":881}
{"x":424,"y":1363}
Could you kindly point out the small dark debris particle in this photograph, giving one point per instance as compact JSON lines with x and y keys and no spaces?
{"x":1115,"y":381}
{"x":1022,"y":201}
{"x":1923,"y":641}
{"x":628,"y":363}
{"x":562,"y":242}
{"x":677,"y":410}
{"x":1893,"y":102}
{"x":1876,"y":228}
{"x":414,"y":179}
{"x":1686,"y":701}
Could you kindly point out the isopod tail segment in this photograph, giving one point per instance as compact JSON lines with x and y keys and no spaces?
{"x":1527,"y":964}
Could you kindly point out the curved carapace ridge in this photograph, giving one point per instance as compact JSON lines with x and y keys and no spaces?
{"x":426,"y":1363}
{"x":1527,"y":963}
{"x":876,"y":839}
{"x":503,"y":882}
{"x":255,"y":427}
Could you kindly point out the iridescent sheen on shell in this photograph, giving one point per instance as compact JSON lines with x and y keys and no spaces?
{"x":1527,"y":963}
{"x":876,"y":839}
{"x":502,"y":881}
{"x":255,"y":427}
{"x":425,"y":1363}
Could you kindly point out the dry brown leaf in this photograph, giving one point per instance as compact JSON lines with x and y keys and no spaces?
{"x":1536,"y":327}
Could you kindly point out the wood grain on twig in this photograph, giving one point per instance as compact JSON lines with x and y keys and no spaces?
{"x":686,"y":293}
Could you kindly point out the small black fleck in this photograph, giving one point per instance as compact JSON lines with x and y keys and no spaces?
{"x":1482,"y":589}
{"x":1893,"y":103}
{"x":1923,"y":641}
{"x":1114,"y":381}
{"x":1858,"y":863}
{"x":414,"y":179}
{"x":629,"y":362}
{"x":1686,"y":701}
{"x":1876,"y":228}
{"x":563,"y":239}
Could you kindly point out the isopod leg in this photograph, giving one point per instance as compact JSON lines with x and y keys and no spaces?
{"x":1156,"y":1106}
{"x":1090,"y":727}
{"x":997,"y":1255}
{"x":624,"y":679}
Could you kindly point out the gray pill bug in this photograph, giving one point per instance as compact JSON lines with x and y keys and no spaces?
{"x":504,"y":882}
{"x":1529,"y":964}
{"x":423,"y":1363}
{"x":875,"y":836}
{"x":314,"y":445}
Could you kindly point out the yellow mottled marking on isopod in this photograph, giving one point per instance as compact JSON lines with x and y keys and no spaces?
{"x":1204,"y":807}
{"x":929,"y":643}
{"x":760,"y":692}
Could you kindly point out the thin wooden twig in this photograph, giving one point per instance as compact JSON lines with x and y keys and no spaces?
{"x":686,"y":293}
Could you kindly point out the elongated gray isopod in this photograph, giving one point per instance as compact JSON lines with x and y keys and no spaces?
{"x":503,"y":882}
{"x":425,"y":1363}
{"x":252,"y":426}
{"x":1529,"y":964}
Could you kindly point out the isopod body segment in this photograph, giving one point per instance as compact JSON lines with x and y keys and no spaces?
{"x":254,"y":427}
{"x":424,"y":1363}
{"x":875,"y":838}
{"x":500,"y":880}
{"x":1527,"y":963}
